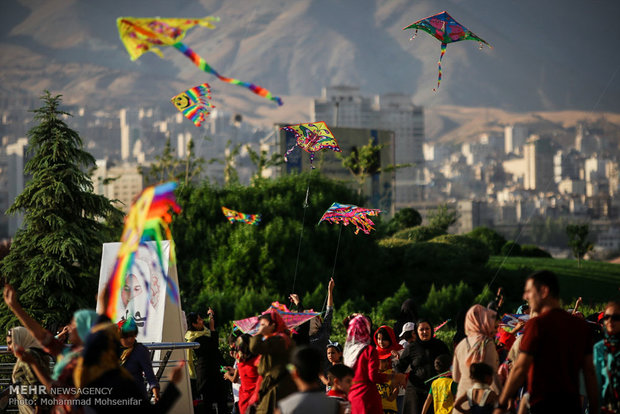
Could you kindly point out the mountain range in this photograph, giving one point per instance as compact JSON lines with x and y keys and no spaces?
{"x":551,"y":55}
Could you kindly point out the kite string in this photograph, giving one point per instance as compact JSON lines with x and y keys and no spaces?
{"x":301,"y":234}
{"x":334,"y":268}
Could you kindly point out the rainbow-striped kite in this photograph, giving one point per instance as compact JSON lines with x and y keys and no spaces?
{"x":233,"y":216}
{"x":148,"y":219}
{"x":312,"y":137}
{"x":195,"y":103}
{"x":147,"y":34}
{"x":348,"y":213}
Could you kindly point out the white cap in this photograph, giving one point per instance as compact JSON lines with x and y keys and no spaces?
{"x":408,"y":327}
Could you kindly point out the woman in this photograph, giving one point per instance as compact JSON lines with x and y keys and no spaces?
{"x":136,"y":358}
{"x":19,"y":341}
{"x":273,"y":343}
{"x":362,"y":357}
{"x":205,"y":361}
{"x":478,"y":346}
{"x":607,"y":359}
{"x":408,"y":313}
{"x":420,"y":356}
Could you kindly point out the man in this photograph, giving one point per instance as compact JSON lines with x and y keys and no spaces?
{"x":556,"y":348}
{"x":311,"y":398}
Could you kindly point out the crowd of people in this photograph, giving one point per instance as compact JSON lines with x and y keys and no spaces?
{"x":552,"y":361}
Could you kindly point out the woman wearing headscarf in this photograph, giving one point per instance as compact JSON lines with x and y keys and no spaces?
{"x":408,"y":313}
{"x":21,"y":343}
{"x":136,"y":359}
{"x":478,"y":346}
{"x":607,"y":359}
{"x":420,"y":356}
{"x":362,"y":357}
{"x":273,"y":343}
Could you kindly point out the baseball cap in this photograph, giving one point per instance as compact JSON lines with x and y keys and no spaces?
{"x":409,"y":326}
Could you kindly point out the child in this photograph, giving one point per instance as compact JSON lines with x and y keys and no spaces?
{"x":340,"y":378}
{"x":443,"y":389}
{"x":334,"y":357}
{"x":481,"y":398}
{"x":387,"y":348}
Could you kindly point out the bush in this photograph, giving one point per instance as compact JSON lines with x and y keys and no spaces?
{"x":444,"y":303}
{"x":419,"y":233}
{"x":511,"y":248}
{"x":492,"y":239}
{"x":474,"y":249}
{"x":403,"y":219}
{"x":530,"y":250}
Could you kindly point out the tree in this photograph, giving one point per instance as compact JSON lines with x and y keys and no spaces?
{"x":404,"y":219}
{"x":166,"y":166}
{"x":262,"y":162}
{"x":578,"y":240}
{"x":443,"y":217}
{"x":55,"y":256}
{"x":493,"y":240}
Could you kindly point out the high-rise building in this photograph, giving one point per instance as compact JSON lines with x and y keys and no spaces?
{"x":121,"y":183}
{"x":514,"y":137}
{"x":16,"y":180}
{"x":344,"y":106}
{"x":538,"y":154}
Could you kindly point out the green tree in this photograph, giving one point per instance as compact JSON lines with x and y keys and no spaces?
{"x":56,"y":253}
{"x":493,"y":240}
{"x":404,"y":219}
{"x":166,"y":166}
{"x":578,"y":240}
{"x":443,"y":217}
{"x":262,"y":162}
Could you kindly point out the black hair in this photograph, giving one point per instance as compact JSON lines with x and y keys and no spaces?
{"x":339,"y":371}
{"x":546,"y":278}
{"x":334,"y":345}
{"x":307,"y":362}
{"x":420,"y":322}
{"x":442,"y":363}
{"x":243,"y":346}
{"x":192,"y":318}
{"x":479,"y":371}
{"x":267,"y":317}
{"x":408,"y":335}
{"x":386,"y":336}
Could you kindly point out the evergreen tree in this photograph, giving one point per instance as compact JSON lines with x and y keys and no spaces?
{"x":54,"y":258}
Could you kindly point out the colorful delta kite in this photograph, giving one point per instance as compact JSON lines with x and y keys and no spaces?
{"x":510,"y":320}
{"x":233,"y":216}
{"x":291,"y":319}
{"x":195,"y":103}
{"x":312,"y":137}
{"x":148,"y":217}
{"x":147,"y":34}
{"x":347,"y":213}
{"x":445,"y":29}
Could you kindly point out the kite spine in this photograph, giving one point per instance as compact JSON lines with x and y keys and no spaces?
{"x":200,"y":62}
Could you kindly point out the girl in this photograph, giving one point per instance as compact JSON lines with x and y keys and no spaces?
{"x":480,"y":397}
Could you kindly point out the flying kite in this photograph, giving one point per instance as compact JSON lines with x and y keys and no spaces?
{"x":148,"y":217}
{"x":194,"y":103}
{"x":445,"y":29}
{"x":292,"y":319}
{"x":312,"y":137}
{"x":147,"y":34}
{"x":233,"y":216}
{"x":348,"y":213}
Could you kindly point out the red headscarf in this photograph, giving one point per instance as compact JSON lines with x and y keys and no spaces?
{"x":385,"y":353}
{"x":280,"y":326}
{"x":480,"y":329}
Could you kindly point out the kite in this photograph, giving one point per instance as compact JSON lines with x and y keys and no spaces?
{"x":147,"y":34}
{"x":312,"y":137}
{"x":292,"y":319}
{"x":347,"y":213}
{"x":233,"y":216}
{"x":445,"y":29}
{"x":194,"y":103}
{"x":148,"y":216}
{"x":510,"y":320}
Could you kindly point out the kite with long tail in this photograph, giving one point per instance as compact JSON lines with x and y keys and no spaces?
{"x":148,"y":220}
{"x":147,"y":34}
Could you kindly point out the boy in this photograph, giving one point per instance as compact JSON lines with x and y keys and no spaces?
{"x":340,"y":379}
{"x":443,"y":389}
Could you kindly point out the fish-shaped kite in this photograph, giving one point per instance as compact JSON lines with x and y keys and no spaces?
{"x":233,"y":216}
{"x":147,"y":34}
{"x":348,"y":213}
{"x":312,"y":137}
{"x":148,"y":219}
{"x":445,"y":29}
{"x":195,"y":103}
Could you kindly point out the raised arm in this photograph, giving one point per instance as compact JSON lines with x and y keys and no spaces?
{"x":330,"y":293}
{"x":35,"y":329}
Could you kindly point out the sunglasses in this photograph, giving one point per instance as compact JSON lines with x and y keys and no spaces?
{"x":615,"y":317}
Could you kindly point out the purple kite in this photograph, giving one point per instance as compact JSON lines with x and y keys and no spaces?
{"x":445,"y":29}
{"x":348,"y":213}
{"x":292,"y":319}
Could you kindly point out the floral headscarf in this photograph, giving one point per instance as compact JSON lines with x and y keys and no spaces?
{"x":480,"y":329}
{"x":358,"y":338}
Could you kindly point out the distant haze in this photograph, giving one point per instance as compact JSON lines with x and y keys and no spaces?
{"x":547,"y":55}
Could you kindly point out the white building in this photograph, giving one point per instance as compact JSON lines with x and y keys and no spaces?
{"x":514,"y":137}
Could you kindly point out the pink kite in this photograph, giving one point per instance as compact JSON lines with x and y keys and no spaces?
{"x":291,"y":318}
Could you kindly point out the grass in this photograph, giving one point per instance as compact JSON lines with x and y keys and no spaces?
{"x":596,"y":282}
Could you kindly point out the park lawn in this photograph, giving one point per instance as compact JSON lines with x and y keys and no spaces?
{"x":594,"y":281}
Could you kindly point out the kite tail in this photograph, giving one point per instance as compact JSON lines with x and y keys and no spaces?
{"x":200,"y":62}
{"x":443,"y":52}
{"x":289,"y":153}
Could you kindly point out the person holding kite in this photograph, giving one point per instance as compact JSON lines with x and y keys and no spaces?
{"x":273,"y":343}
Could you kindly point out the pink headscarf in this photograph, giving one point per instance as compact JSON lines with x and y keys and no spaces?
{"x":480,"y":329}
{"x":358,"y":338}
